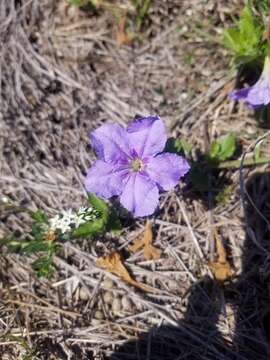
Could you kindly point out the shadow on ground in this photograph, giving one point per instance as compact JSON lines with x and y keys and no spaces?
{"x":197,"y":336}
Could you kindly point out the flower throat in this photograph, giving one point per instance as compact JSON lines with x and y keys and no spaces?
{"x":137,"y":164}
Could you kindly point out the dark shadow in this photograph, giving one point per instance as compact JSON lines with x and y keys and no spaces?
{"x":252,"y":291}
{"x":208,"y":185}
{"x":262,"y":115}
{"x":205,"y":181}
{"x":197,"y":336}
{"x":248,"y":74}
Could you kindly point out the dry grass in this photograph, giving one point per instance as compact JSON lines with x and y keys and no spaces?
{"x":63,"y":74}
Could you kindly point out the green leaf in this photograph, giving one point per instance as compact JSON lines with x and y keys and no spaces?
{"x":232,"y":39}
{"x":77,"y":2}
{"x":39,"y":216}
{"x":142,"y":8}
{"x":89,"y":228}
{"x":28,"y":247}
{"x":14,"y":245}
{"x":44,"y":266}
{"x":267,"y":48}
{"x":178,"y":146}
{"x":100,"y":205}
{"x":214,"y":150}
{"x":262,"y":5}
{"x":223,"y":197}
{"x":36,"y":246}
{"x":257,"y":151}
{"x":37,"y":231}
{"x":222,"y":149}
{"x":245,"y":39}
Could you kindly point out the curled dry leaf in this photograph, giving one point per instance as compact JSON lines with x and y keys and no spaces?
{"x":122,"y":36}
{"x":221,"y":268}
{"x":145,"y":241}
{"x":114,"y":264}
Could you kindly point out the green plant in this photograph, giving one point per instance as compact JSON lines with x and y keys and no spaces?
{"x":245,"y":39}
{"x":47,"y":234}
{"x":221,"y":149}
{"x":141,"y":8}
{"x":136,"y":10}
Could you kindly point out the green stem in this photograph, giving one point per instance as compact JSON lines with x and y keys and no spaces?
{"x":234,"y":164}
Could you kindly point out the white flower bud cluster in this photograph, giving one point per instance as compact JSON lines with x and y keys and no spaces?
{"x":68,"y":220}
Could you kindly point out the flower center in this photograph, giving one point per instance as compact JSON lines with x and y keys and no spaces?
{"x":137,"y":164}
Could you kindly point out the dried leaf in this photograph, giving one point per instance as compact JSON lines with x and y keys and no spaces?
{"x":50,"y":236}
{"x":221,"y":251}
{"x":122,"y":37}
{"x":113,"y":263}
{"x":221,"y":268}
{"x":145,"y":242}
{"x":221,"y":272}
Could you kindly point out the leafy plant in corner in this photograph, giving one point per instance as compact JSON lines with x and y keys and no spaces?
{"x":245,"y":39}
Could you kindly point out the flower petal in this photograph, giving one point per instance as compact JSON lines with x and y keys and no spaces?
{"x":147,"y":135}
{"x":140,"y":195}
{"x":166,"y":169}
{"x":111,"y":143}
{"x":105,"y":179}
{"x":259,"y":94}
{"x":240,"y":94}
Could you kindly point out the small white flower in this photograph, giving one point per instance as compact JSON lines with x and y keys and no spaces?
{"x":68,"y":219}
{"x":79,"y":220}
{"x":68,"y":216}
{"x":82,"y":209}
{"x":61,"y":223}
{"x":54,"y":222}
{"x":90,"y":217}
{"x":65,"y":228}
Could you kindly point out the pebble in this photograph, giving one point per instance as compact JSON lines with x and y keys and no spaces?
{"x":59,"y":53}
{"x":126,"y":303}
{"x":206,"y":72}
{"x":108,"y":283}
{"x":184,"y":95}
{"x":99,"y":315}
{"x":95,"y":322}
{"x":173,"y":285}
{"x":72,"y":12}
{"x":116,"y":305}
{"x":108,"y":297}
{"x":154,"y":321}
{"x":83,"y":294}
{"x":184,"y":29}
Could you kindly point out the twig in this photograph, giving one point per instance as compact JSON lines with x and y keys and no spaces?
{"x":195,"y":241}
{"x":52,"y":308}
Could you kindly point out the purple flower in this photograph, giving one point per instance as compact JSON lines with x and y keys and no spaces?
{"x":130,"y":164}
{"x":259,"y":93}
